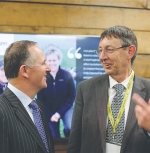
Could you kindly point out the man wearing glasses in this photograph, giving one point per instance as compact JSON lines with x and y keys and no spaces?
{"x":104,"y":120}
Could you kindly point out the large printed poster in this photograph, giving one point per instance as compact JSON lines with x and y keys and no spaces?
{"x":79,"y":60}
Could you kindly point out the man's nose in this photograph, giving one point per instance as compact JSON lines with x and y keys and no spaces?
{"x":48,"y":69}
{"x":102,"y":55}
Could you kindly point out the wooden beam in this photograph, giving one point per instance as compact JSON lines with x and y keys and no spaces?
{"x":143,"y":37}
{"x":141,"y":66}
{"x":70,"y":16}
{"x":115,"y":3}
{"x":50,"y":30}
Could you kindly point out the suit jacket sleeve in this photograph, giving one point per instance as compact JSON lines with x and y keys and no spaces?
{"x":75,"y":136}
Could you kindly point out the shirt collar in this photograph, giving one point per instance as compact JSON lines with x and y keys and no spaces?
{"x":113,"y":82}
{"x":25,"y":100}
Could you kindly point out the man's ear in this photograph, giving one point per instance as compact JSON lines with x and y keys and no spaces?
{"x":131,"y":51}
{"x":24,"y":71}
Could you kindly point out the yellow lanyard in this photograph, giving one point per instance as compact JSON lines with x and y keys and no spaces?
{"x":121,"y":110}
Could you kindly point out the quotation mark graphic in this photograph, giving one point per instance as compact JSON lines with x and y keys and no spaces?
{"x":76,"y":54}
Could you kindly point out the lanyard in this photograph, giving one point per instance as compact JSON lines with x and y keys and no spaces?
{"x":122,"y":108}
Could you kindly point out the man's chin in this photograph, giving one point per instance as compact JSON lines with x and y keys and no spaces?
{"x":107,"y":71}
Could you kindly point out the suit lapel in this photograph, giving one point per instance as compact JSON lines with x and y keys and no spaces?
{"x":131,"y":120}
{"x":101,"y":106}
{"x":23,"y":116}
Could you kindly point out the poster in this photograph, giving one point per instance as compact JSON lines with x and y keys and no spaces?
{"x":79,"y":57}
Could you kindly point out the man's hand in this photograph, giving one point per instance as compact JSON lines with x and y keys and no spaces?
{"x":142,"y":112}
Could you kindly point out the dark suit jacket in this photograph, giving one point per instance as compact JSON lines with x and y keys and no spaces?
{"x":88,"y":133}
{"x":18,"y":133}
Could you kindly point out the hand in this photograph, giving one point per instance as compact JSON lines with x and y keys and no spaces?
{"x":142,"y":112}
{"x":55,"y":117}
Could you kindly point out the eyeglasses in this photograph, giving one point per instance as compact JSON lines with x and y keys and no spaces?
{"x":108,"y":50}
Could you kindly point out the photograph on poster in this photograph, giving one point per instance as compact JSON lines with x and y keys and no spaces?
{"x":72,"y":59}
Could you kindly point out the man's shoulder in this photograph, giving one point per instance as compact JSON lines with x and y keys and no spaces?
{"x":142,"y":83}
{"x":5,"y":105}
{"x":6,"y":96}
{"x":144,"y":80}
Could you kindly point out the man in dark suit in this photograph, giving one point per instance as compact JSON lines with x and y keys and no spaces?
{"x":25,"y":69}
{"x":96,"y":124}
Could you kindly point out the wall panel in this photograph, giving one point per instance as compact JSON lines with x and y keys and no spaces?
{"x":141,"y":66}
{"x":72,"y":16}
{"x":115,"y":3}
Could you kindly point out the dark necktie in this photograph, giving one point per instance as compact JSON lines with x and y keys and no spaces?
{"x":115,"y":106}
{"x":38,"y":122}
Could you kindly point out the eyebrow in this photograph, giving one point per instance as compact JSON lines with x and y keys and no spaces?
{"x":106,"y":46}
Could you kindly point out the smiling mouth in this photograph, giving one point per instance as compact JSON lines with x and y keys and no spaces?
{"x":106,"y":65}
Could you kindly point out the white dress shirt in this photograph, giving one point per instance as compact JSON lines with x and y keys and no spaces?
{"x":112,"y":148}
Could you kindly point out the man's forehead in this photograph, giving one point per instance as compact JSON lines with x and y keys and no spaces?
{"x":110,"y":37}
{"x":108,"y":40}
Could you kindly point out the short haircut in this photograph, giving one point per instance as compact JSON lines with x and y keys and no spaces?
{"x":126,"y":36}
{"x":16,"y":55}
